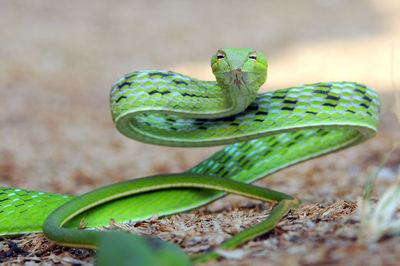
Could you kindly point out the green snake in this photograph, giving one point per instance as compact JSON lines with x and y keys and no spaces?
{"x":264,"y":132}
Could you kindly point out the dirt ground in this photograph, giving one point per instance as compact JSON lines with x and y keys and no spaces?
{"x":57,"y":64}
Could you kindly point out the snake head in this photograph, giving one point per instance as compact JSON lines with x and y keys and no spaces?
{"x":241,"y":71}
{"x":230,"y":61}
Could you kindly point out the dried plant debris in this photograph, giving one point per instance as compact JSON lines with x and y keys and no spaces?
{"x":35,"y":249}
{"x":13,"y":251}
{"x":329,"y":230}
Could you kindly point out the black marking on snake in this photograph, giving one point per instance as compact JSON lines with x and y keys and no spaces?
{"x":220,"y":169}
{"x":194,"y":95}
{"x":202,"y":127}
{"x":245,"y":162}
{"x":160,"y":92}
{"x":364,"y":105}
{"x":202,"y":119}
{"x":369,"y":113}
{"x":227,"y":119}
{"x":131,"y":75}
{"x":290,"y":144}
{"x":241,"y":158}
{"x":259,"y":120}
{"x":226,"y":159}
{"x":360,"y":91}
{"x":278,"y":97}
{"x":321,"y":92}
{"x":310,"y":112}
{"x":162,"y":74}
{"x":19,"y":205}
{"x":288,"y":101}
{"x":123,"y":84}
{"x":199,"y":121}
{"x":367,"y":98}
{"x":4,"y":199}
{"x":247,"y":148}
{"x":261,"y":113}
{"x":120,"y":98}
{"x":252,"y":107}
{"x":324,"y":85}
{"x":188,"y":94}
{"x":267,"y":152}
{"x":225,"y":174}
{"x":174,"y":128}
{"x":170,"y":120}
{"x":287,"y":108}
{"x":177,"y":82}
{"x":298,"y":136}
{"x":331,"y":97}
{"x":274,"y":144}
{"x":329,"y":104}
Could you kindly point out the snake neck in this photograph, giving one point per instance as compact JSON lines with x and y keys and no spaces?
{"x":239,"y":89}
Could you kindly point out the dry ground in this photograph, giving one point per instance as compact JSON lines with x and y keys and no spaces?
{"x":59,"y":60}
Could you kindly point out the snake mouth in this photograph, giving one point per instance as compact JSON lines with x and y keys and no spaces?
{"x":238,"y":80}
{"x":237,"y":77}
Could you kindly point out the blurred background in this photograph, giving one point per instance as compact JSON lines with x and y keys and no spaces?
{"x":58,"y":61}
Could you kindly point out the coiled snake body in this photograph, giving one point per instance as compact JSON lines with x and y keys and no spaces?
{"x":265,"y":132}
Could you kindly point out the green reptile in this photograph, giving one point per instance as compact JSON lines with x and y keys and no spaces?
{"x":265,"y":132}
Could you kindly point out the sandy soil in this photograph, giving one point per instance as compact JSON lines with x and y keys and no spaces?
{"x":58,"y":62}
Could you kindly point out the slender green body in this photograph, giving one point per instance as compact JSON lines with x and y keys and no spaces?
{"x":265,"y":132}
{"x":136,"y":186}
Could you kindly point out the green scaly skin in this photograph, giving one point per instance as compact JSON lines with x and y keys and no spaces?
{"x":266,"y":132}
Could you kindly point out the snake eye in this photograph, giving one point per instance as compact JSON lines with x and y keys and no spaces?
{"x":253,"y":57}
{"x":220,"y":56}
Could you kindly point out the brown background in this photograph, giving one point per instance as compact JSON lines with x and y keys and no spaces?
{"x":58,"y":61}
